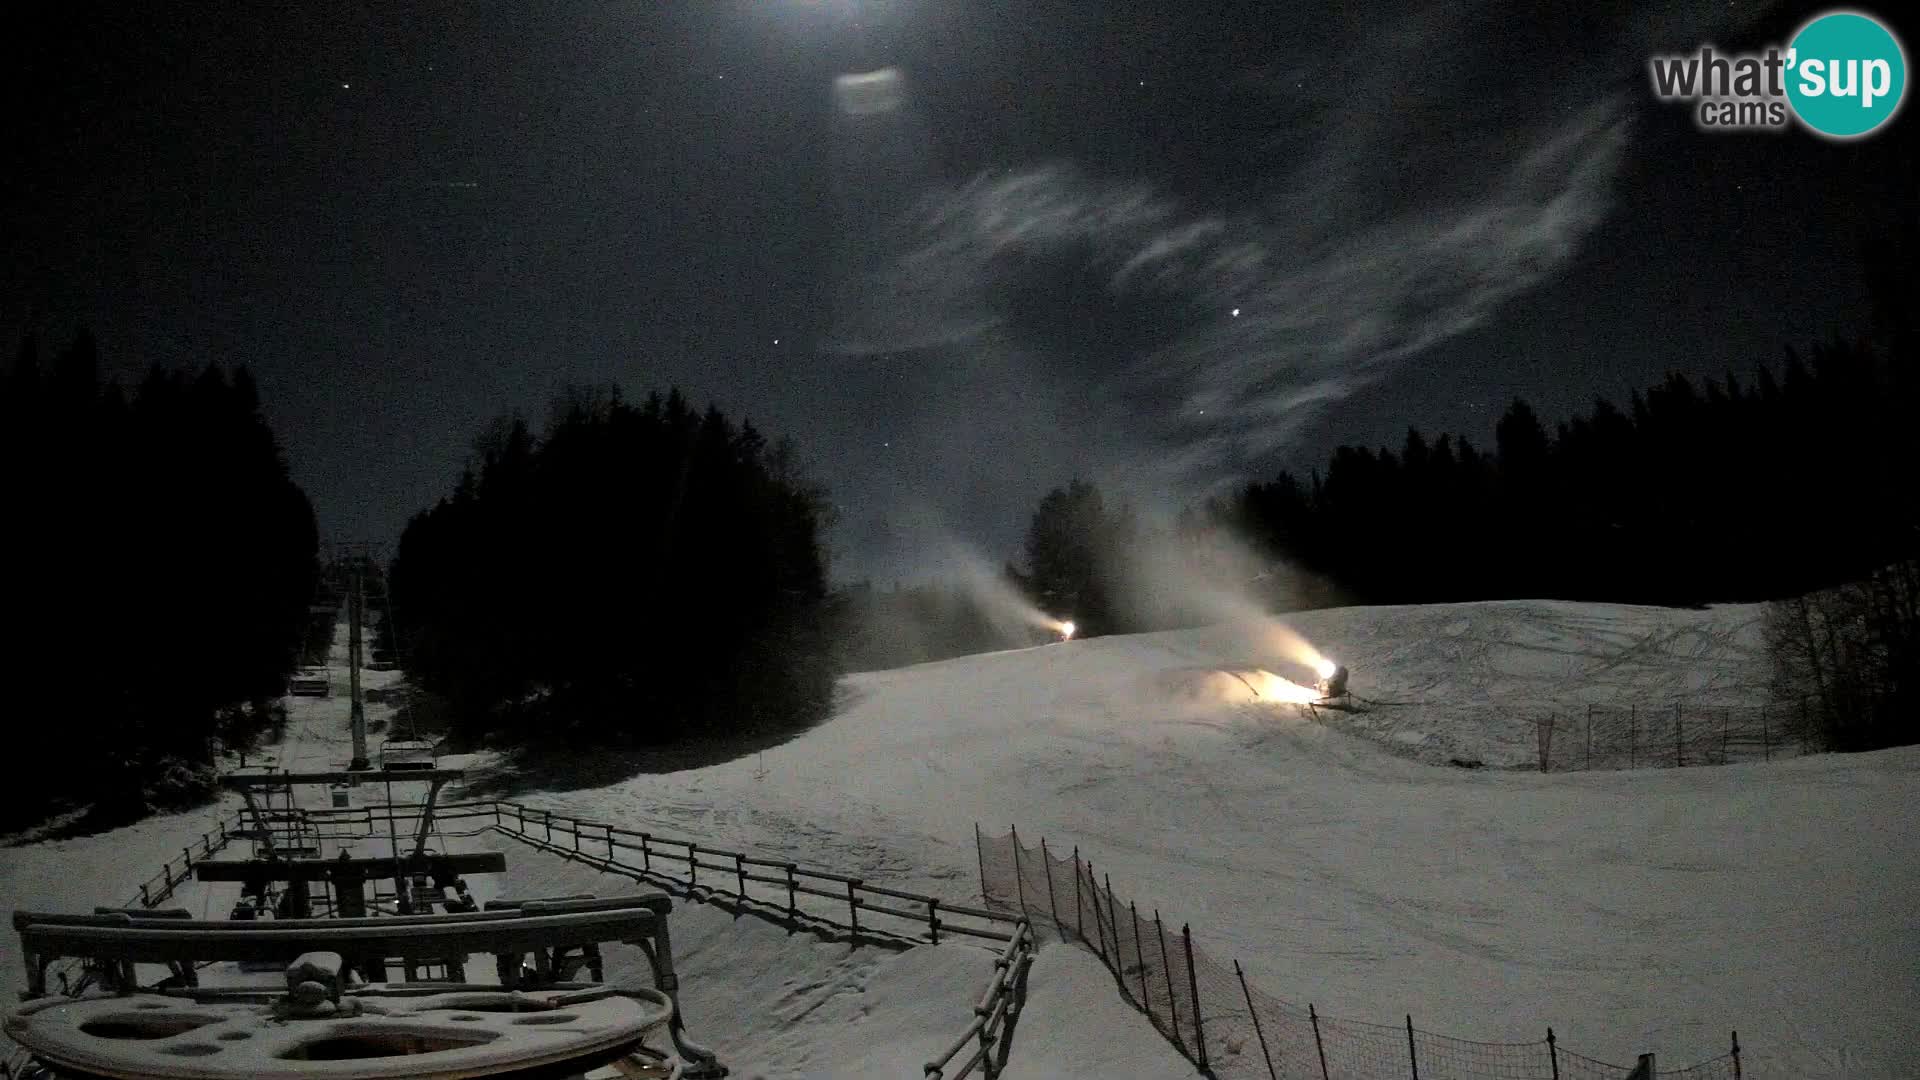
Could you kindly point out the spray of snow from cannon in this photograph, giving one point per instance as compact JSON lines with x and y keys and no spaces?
{"x":1181,"y":581}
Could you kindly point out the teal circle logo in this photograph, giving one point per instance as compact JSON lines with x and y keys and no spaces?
{"x":1845,"y":74}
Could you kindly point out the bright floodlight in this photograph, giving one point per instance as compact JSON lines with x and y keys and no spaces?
{"x":870,"y":93}
{"x":1325,"y":667}
{"x":1066,"y":630}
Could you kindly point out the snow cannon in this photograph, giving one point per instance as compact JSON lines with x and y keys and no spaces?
{"x":1334,"y":685}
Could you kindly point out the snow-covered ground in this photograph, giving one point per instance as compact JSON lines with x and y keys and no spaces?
{"x":1632,"y":911}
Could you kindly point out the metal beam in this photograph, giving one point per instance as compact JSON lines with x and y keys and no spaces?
{"x":243,"y":781}
{"x":441,"y":866}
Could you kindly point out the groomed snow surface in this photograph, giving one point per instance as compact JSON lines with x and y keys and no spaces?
{"x":1645,"y":910}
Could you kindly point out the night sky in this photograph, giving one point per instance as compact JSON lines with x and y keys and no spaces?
{"x":1015,"y":258}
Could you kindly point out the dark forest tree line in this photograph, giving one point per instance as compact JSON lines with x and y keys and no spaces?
{"x":1692,"y":493}
{"x":634,"y":574}
{"x":161,"y":570}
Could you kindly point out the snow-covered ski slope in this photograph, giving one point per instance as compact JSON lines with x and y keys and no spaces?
{"x":1632,"y":911}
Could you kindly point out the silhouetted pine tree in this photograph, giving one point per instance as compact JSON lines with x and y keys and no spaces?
{"x":634,"y":574}
{"x":1697,"y":492}
{"x":162,"y":566}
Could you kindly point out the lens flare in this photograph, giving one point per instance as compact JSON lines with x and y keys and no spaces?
{"x":1325,"y":668}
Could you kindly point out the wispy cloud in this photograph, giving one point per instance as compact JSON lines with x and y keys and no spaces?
{"x":1380,"y":232}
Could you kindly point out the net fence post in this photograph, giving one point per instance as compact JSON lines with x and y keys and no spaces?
{"x":1113,"y":921}
{"x":1046,"y":864}
{"x":1166,"y":968}
{"x":1139,"y":958}
{"x":1736,"y":1056}
{"x":1412,"y":1057}
{"x":1193,"y":988}
{"x":1553,"y":1055}
{"x":1079,"y":920}
{"x":1319,"y":1047}
{"x":1100,"y":926}
{"x":1019,"y":888}
{"x":980,"y":850}
{"x":1258,"y":1032}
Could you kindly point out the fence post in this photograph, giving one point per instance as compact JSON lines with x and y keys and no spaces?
{"x":1553,"y":1055}
{"x":646,"y":853}
{"x":853,"y":909}
{"x":144,"y":902}
{"x":1736,"y":1056}
{"x":609,"y":829}
{"x":1411,"y":1056}
{"x":576,"y":836}
{"x":1099,"y":931}
{"x":546,"y":816}
{"x":1046,"y":864}
{"x":1079,"y":920}
{"x":1193,"y":988}
{"x":1019,"y":890}
{"x":1139,"y":958}
{"x":1258,"y":1031}
{"x":933,"y":919}
{"x":1113,"y":920}
{"x":740,"y":873}
{"x":1318,"y":1046}
{"x":693,"y":864}
{"x":206,"y":843}
{"x":496,"y":812}
{"x":1173,"y":1010}
{"x":793,"y":898}
{"x":187,"y":852}
{"x":980,"y":852}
